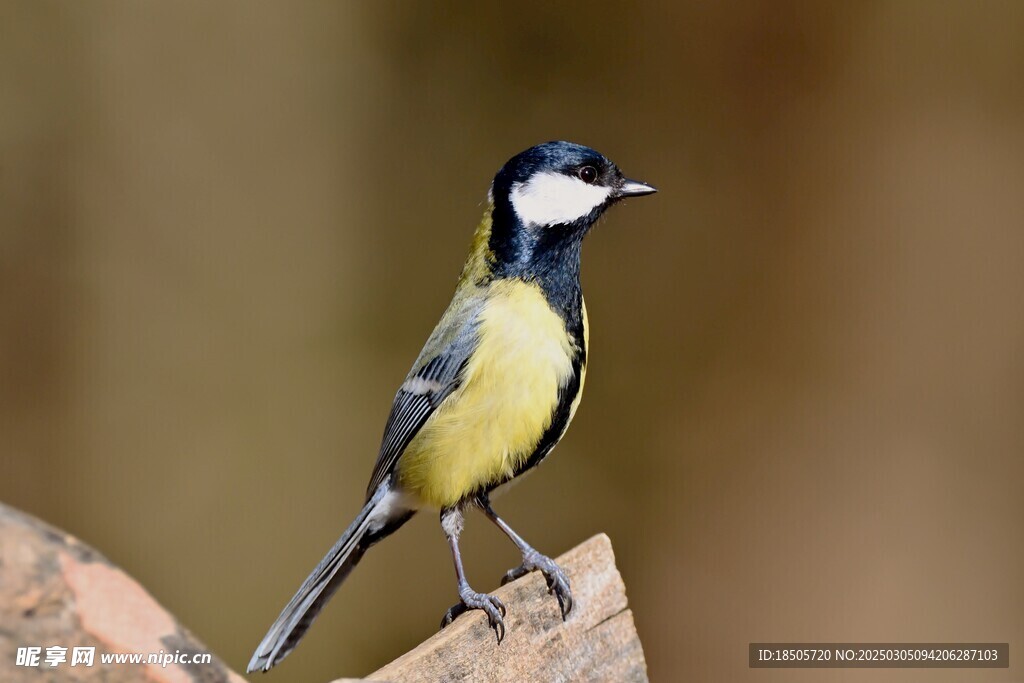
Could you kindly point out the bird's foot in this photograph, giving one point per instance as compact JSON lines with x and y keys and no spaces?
{"x":558,"y":582}
{"x":470,"y":600}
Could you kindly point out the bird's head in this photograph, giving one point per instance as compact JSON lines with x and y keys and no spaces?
{"x":561,"y":183}
{"x":549,"y":197}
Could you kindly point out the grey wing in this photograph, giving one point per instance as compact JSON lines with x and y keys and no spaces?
{"x":435,"y":375}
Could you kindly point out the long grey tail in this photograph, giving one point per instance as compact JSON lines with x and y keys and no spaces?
{"x":376,"y":520}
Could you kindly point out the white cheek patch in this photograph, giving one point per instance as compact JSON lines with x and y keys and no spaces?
{"x":554,"y":198}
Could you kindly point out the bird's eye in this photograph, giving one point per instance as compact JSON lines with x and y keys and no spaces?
{"x":588,"y":174}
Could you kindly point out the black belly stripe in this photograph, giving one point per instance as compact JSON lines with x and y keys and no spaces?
{"x":553,"y":434}
{"x":560,"y":419}
{"x":566,"y":395}
{"x":556,"y":270}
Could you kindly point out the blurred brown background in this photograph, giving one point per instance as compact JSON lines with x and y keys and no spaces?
{"x":227,"y":228}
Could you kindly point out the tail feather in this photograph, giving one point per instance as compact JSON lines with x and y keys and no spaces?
{"x":298,"y":615}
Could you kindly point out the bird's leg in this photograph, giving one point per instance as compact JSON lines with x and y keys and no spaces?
{"x":558,"y":582}
{"x":451,"y":522}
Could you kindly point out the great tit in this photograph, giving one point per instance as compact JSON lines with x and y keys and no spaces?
{"x":495,"y":386}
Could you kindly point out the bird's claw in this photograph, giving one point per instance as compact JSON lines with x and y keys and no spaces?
{"x":491,"y":606}
{"x":558,"y":582}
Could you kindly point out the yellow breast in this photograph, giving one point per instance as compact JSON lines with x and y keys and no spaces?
{"x":492,"y":423}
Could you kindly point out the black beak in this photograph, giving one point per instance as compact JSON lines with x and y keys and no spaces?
{"x":634,"y":188}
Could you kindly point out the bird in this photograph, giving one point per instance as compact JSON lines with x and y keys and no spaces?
{"x":494,"y":388}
